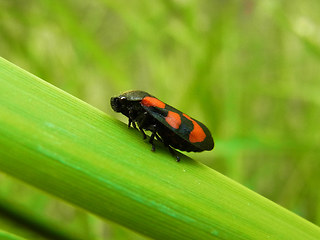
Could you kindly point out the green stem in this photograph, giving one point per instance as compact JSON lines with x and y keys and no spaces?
{"x":68,"y":148}
{"x":9,"y":236}
{"x":25,"y":218}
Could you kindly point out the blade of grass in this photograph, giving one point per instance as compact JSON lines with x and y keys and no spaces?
{"x":65,"y":16}
{"x":23,"y":217}
{"x":66,"y":147}
{"x":9,"y":236}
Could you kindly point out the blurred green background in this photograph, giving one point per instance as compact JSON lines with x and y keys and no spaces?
{"x":248,"y":69}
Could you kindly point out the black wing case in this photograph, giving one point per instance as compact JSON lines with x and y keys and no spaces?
{"x":185,"y":127}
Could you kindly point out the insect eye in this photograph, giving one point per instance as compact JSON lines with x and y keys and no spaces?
{"x":116,"y":104}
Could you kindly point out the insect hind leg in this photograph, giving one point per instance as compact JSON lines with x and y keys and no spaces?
{"x":172,"y":151}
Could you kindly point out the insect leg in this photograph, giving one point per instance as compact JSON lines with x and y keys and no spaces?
{"x":151,"y":141}
{"x":132,"y":119}
{"x":158,"y":138}
{"x":142,"y":120}
{"x":129,"y":123}
{"x":173,"y":152}
{"x":154,"y":134}
{"x":132,"y":122}
{"x":143,"y":133}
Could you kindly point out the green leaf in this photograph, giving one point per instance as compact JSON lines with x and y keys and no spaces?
{"x":9,"y":236}
{"x":68,"y":148}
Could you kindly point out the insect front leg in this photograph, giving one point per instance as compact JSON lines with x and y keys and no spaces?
{"x":132,"y":119}
{"x":135,"y":126}
{"x":131,"y":122}
{"x":142,"y":120}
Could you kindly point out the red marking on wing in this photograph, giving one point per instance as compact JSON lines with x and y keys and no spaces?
{"x":173,"y":119}
{"x":152,"y":102}
{"x":197,"y":134}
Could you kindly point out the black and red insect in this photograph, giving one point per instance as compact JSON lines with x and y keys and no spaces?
{"x":167,"y":124}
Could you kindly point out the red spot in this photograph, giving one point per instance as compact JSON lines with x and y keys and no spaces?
{"x":197,"y":134}
{"x":152,"y":102}
{"x":173,"y":119}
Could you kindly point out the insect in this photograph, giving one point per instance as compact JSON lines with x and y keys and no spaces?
{"x":167,"y":124}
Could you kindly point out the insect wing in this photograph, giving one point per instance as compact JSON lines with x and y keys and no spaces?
{"x":184,"y":126}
